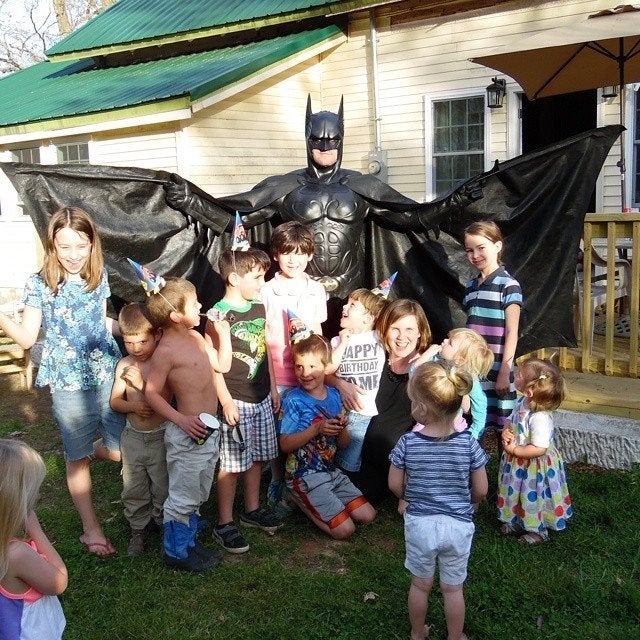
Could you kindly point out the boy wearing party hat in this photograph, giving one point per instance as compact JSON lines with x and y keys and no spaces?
{"x":184,"y":364}
{"x":358,"y":357}
{"x":247,"y":394}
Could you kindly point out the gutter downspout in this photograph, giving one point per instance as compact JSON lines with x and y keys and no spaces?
{"x":377,"y":158}
{"x":373,"y":39}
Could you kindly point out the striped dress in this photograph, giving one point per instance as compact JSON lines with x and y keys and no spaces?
{"x":486,"y":305}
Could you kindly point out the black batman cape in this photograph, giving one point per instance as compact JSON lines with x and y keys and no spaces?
{"x":539,"y":200}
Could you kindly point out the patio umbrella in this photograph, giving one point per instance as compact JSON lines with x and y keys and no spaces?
{"x":599,"y":50}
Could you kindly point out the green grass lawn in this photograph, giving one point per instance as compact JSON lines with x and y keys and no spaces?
{"x":299,"y":585}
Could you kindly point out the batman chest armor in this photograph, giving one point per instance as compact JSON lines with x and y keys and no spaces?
{"x":335,"y":215}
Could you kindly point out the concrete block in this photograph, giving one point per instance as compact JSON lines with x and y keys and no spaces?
{"x":606,"y":441}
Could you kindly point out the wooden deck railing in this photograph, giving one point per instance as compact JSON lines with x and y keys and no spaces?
{"x":609,"y":232}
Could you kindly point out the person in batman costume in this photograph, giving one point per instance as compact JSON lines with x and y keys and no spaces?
{"x":539,"y":200}
{"x":334,"y":202}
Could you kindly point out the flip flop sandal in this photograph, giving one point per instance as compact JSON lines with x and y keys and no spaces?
{"x":93,"y":547}
{"x":534,"y":538}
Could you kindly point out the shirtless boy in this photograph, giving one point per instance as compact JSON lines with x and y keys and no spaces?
{"x":185,"y":363}
{"x":144,"y":457}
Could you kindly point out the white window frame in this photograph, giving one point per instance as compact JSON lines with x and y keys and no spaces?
{"x":452,"y":94}
{"x":69,"y":143}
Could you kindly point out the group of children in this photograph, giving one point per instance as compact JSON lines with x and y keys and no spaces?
{"x":159,"y":407}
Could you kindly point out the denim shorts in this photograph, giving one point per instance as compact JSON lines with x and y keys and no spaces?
{"x":438,"y":539}
{"x":83,"y":416}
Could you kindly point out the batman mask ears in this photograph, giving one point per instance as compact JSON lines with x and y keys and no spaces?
{"x":324,"y":131}
{"x":325,"y":125}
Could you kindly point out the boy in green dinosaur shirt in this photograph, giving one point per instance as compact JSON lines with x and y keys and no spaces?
{"x":248,"y":398}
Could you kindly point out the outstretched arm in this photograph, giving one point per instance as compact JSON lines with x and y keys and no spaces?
{"x":430,"y":216}
{"x":214,"y":214}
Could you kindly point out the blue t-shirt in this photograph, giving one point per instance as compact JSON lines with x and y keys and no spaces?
{"x":79,"y":351}
{"x":438,"y":472}
{"x":299,"y":410}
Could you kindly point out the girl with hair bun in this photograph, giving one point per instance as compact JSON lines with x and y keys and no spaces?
{"x":439,"y":476}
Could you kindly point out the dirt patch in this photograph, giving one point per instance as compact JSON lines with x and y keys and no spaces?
{"x":20,"y":409}
{"x":322,"y":554}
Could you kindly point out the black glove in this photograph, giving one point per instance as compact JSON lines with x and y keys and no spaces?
{"x":177,"y":192}
{"x":471,"y":190}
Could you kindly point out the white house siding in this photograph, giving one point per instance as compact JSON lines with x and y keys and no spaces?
{"x":233,"y":144}
{"x":417,"y":60}
{"x":236,"y":143}
{"x":152,"y":149}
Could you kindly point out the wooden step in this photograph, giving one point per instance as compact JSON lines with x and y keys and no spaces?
{"x":15,"y":360}
{"x":605,"y":395}
{"x":10,"y":352}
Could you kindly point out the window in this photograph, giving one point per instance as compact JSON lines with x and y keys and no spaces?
{"x":458,"y":131}
{"x":29,"y":156}
{"x":73,"y":153}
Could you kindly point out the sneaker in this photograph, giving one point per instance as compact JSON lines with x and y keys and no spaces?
{"x":230,"y":538}
{"x":262,"y":519}
{"x":136,"y":544}
{"x":279,"y":499}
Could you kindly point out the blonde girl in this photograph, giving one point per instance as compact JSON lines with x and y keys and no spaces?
{"x":532,"y":494}
{"x":439,"y":476}
{"x":469,"y":350}
{"x":32,"y":573}
{"x":68,"y":297}
{"x":492,"y":301}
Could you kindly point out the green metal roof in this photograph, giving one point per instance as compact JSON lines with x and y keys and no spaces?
{"x":131,"y":24}
{"x":60,"y":90}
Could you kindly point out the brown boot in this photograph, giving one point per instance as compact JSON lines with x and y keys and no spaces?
{"x":136,"y":545}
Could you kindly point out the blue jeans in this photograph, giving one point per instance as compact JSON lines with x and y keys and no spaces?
{"x":350,"y":458}
{"x":83,"y":416}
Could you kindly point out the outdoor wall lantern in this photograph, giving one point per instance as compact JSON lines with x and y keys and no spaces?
{"x":495,"y":93}
{"x":610,"y":92}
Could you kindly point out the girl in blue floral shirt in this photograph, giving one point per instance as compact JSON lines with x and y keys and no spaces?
{"x":68,"y":297}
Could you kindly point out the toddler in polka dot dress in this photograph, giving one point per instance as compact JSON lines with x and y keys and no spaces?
{"x":532,"y":486}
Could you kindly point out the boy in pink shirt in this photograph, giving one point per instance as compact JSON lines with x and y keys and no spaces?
{"x":292,"y":247}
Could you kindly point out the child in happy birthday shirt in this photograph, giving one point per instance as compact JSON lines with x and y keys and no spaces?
{"x":359,"y":357}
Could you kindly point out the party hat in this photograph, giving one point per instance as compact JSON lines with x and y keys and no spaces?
{"x":150,"y":282}
{"x":385,"y":286}
{"x":297,"y":328}
{"x":240,"y":240}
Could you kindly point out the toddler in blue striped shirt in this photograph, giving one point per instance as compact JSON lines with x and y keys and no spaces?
{"x":439,"y":476}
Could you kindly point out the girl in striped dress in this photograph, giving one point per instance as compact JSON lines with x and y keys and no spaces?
{"x":492,"y":302}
